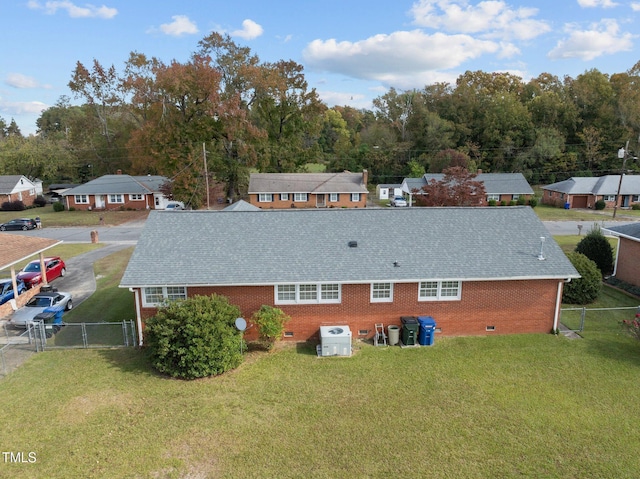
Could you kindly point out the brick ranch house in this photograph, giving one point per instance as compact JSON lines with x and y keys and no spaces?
{"x":477,"y":271}
{"x":627,"y":265}
{"x":110,"y":192}
{"x":583,"y":192}
{"x":500,"y":187}
{"x":308,"y":190}
{"x":19,"y":188}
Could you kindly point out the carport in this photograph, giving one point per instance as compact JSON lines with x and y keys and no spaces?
{"x":16,"y":248}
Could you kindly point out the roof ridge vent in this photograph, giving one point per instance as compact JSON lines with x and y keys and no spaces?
{"x":353,"y":244}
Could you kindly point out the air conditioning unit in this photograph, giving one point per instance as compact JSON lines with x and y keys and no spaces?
{"x":335,"y":341}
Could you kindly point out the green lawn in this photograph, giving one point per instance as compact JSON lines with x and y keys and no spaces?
{"x":52,"y":218}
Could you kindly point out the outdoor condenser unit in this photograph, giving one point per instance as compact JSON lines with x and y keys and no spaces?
{"x":335,"y":341}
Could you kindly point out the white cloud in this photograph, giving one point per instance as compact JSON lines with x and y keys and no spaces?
{"x":597,"y":3}
{"x":74,"y":11}
{"x":604,"y":38}
{"x":399,"y":58}
{"x":181,"y":25}
{"x":18,"y":80}
{"x":635,"y":6}
{"x":491,"y":19}
{"x":249,"y":31}
{"x":22,"y":107}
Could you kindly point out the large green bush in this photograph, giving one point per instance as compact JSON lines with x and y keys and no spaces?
{"x":586,"y":289}
{"x":194,"y":338}
{"x":597,"y":248}
{"x":270,"y":322}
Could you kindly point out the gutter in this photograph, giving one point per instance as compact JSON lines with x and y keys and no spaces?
{"x":556,"y":316}
{"x":136,"y":294}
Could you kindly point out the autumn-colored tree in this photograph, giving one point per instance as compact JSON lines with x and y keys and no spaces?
{"x":448,"y":158}
{"x":458,"y":187}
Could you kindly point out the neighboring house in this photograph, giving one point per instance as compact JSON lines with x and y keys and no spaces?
{"x":118,"y":191}
{"x":477,"y":271}
{"x":308,"y":190}
{"x":386,"y":192}
{"x":627,"y":265}
{"x":19,"y":188}
{"x":583,"y":192}
{"x":241,"y":206}
{"x":500,"y":187}
{"x":57,"y":189}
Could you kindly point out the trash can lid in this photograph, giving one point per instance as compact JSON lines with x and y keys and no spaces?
{"x":426,"y":320}
{"x":408,"y":320}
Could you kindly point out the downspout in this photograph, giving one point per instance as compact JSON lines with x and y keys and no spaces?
{"x":556,"y":317}
{"x":136,"y":296}
{"x":615,"y":263}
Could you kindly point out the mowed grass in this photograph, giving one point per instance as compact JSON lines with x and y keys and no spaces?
{"x":52,"y":218}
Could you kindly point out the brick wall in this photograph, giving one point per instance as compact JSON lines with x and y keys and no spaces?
{"x":628,"y":268}
{"x":344,"y":201}
{"x":128,"y":203}
{"x":508,"y":306}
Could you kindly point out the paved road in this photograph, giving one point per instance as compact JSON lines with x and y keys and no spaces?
{"x":561,"y":228}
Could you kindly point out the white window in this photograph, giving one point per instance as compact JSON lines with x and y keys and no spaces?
{"x":300,"y":196}
{"x":265,"y":197}
{"x":635,"y":198}
{"x":284,"y":196}
{"x":307,"y":293}
{"x":81,"y":199}
{"x":116,"y":199}
{"x":493,"y":197}
{"x":355,"y":197}
{"x":136,"y":197}
{"x":381,"y":292}
{"x":439,"y":290}
{"x":609,"y":197}
{"x":156,"y":295}
{"x":515,"y":197}
{"x":334,"y":197}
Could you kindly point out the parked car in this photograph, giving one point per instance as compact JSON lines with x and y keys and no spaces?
{"x":6,"y":289}
{"x":174,"y":206}
{"x":23,"y":224}
{"x":398,"y":201}
{"x":49,"y":302}
{"x":32,"y":276}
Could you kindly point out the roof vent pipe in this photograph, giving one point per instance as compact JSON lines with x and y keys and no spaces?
{"x":541,"y":255}
{"x":353,"y":244}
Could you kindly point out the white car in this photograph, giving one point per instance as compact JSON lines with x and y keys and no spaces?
{"x":174,"y":206}
{"x":398,"y":201}
{"x":51,"y":301}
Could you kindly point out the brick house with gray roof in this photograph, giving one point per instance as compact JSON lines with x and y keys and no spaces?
{"x":627,"y":263}
{"x":308,"y":190}
{"x":477,"y":271}
{"x":118,"y":191}
{"x":583,"y":192}
{"x":19,"y":188}
{"x":500,"y":187}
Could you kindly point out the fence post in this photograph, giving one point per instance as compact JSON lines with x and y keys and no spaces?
{"x":583,"y":313}
{"x":85,"y":340}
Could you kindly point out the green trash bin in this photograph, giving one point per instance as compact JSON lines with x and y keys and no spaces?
{"x":410,"y":327}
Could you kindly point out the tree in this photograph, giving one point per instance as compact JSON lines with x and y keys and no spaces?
{"x":270,"y":322}
{"x":195,"y":338}
{"x":597,"y":248}
{"x":583,"y":290}
{"x":448,"y":158}
{"x":457,"y":188}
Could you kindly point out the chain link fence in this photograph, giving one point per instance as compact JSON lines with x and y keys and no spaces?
{"x":16,"y":346}
{"x":591,"y":319}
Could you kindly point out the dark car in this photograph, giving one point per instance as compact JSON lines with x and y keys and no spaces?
{"x":23,"y":224}
{"x":32,"y":276}
{"x":6,"y":289}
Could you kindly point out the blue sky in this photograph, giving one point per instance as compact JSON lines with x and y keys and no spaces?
{"x":352,"y":50}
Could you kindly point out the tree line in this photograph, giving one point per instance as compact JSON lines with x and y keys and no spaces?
{"x":239,"y":114}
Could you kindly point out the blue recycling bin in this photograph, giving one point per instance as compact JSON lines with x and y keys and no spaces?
{"x":426,"y":334}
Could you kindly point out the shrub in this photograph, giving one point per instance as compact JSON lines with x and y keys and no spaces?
{"x":270,"y":322}
{"x":59,"y":206}
{"x":194,"y":338}
{"x":40,"y":201}
{"x":600,"y":205}
{"x":632,"y":327}
{"x":596,"y":247}
{"x":521,"y":201}
{"x":13,"y":206}
{"x":533,"y":202}
{"x":635,"y":206}
{"x":492,"y":202}
{"x":513,"y":203}
{"x":503,"y":203}
{"x":586,"y":289}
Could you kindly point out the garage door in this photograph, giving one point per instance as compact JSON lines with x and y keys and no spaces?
{"x":579,"y":201}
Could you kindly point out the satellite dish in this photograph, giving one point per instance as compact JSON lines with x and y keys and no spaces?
{"x":241,"y":324}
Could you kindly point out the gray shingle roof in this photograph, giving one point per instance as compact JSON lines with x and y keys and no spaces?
{"x":631,"y":231}
{"x":306,"y":183}
{"x":241,"y":206}
{"x":119,"y":184}
{"x":597,"y":185}
{"x":284,"y":246}
{"x":9,"y":182}
{"x":494,"y":183}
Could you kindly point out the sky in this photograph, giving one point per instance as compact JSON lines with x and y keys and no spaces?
{"x":352,"y":51}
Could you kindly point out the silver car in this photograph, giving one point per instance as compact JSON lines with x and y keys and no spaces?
{"x":42,"y":302}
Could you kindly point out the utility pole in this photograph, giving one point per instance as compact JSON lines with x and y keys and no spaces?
{"x":206,"y":174}
{"x":622,"y":154}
